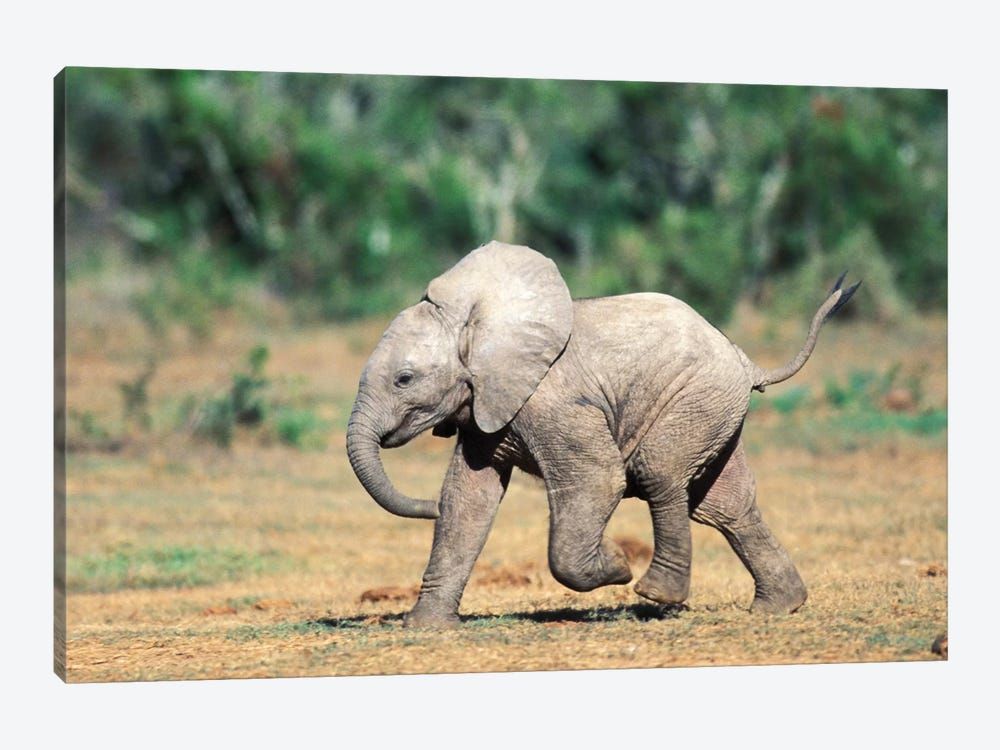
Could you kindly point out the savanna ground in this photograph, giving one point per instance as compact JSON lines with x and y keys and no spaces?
{"x":187,"y":560}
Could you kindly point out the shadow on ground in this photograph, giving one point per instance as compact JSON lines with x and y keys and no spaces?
{"x":636,"y":612}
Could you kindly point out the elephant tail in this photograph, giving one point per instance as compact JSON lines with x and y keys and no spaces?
{"x":837,"y":299}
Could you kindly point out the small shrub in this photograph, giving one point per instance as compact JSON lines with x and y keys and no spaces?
{"x":865,"y":388}
{"x":85,"y":431}
{"x":299,"y":428}
{"x":242,"y":404}
{"x":836,"y":395}
{"x":89,"y":426}
{"x":135,"y":399}
{"x":216,"y":421}
{"x":248,"y":404}
{"x":185,"y":411}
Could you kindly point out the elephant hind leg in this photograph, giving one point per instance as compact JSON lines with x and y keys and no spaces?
{"x":726,"y":500}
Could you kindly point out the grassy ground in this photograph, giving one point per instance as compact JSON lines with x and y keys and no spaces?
{"x":186,"y":560}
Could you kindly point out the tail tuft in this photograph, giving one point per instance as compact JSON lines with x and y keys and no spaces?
{"x":835,"y":300}
{"x":839,"y":281}
{"x":847,"y":294}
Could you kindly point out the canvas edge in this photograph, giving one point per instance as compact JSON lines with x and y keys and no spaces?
{"x":59,"y":384}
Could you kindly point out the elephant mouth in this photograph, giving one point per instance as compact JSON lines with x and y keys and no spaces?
{"x":394,"y":440}
{"x":404,"y":433}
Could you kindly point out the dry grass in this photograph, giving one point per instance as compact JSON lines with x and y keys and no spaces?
{"x":192,"y":562}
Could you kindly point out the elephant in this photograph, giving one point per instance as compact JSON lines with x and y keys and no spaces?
{"x":602,"y":398}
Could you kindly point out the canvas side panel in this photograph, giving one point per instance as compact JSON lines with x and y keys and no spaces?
{"x":59,"y":259}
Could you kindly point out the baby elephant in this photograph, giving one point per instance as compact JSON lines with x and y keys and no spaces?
{"x":635,"y":396}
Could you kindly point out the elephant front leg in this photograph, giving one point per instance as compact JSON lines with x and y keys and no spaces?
{"x":470,"y":496}
{"x":580,"y":557}
{"x":581,"y":500}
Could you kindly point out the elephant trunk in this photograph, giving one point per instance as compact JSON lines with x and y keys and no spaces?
{"x":363,"y":452}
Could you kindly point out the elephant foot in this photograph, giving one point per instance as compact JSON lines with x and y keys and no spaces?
{"x":663,"y":587}
{"x":781,"y":601}
{"x":428,"y":617}
{"x":609,"y":567}
{"x":618,"y":571}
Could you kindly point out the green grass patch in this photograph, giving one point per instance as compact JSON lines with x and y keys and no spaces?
{"x":784,"y":401}
{"x":790,"y":400}
{"x":164,"y":567}
{"x":929,"y":423}
{"x":906,"y":643}
{"x":860,"y":388}
{"x":848,"y":433}
{"x":861,"y":410}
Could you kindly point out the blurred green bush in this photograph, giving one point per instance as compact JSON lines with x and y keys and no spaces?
{"x":347,"y":193}
{"x":250,"y":403}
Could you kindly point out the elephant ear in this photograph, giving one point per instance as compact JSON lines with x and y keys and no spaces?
{"x":515,"y":315}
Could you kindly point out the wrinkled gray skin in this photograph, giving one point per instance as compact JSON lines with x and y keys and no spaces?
{"x":630,"y":396}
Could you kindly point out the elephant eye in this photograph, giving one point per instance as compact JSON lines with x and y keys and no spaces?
{"x":404,"y":378}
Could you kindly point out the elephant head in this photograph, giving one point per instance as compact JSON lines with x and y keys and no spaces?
{"x":474,"y":348}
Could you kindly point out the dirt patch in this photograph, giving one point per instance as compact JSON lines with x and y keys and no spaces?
{"x":266,"y":604}
{"x":390,"y":594}
{"x":636,"y":550}
{"x":900,"y":399}
{"x":523,"y":574}
{"x":220,"y":610}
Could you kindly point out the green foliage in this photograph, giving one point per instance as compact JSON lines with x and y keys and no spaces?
{"x":247,"y":404}
{"x":863,"y":389}
{"x":925,"y":423}
{"x":799,"y":292}
{"x":790,"y":399}
{"x":187,"y":291}
{"x":854,"y":411}
{"x":300,"y":428}
{"x":346,"y":193}
{"x":216,"y":420}
{"x":85,"y":431}
{"x":242,"y":404}
{"x":135,"y":399}
{"x":127,"y":567}
{"x":862,"y":401}
{"x":90,"y":426}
